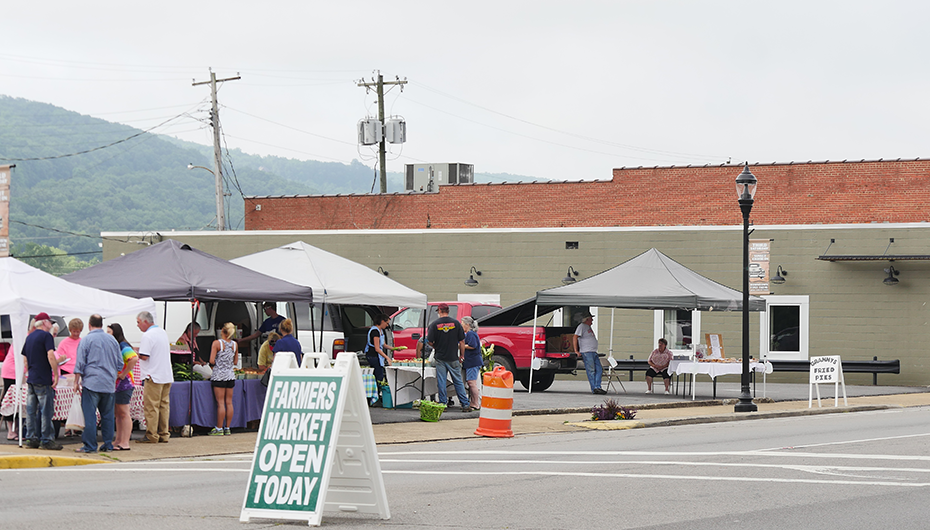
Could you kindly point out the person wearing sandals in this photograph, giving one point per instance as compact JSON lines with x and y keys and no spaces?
{"x":125,"y":383}
{"x":473,"y":361}
{"x":224,"y":356}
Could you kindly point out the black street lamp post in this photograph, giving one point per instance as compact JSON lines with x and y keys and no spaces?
{"x":745,"y":190}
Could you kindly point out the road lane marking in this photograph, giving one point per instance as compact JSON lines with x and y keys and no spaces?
{"x":842,"y":442}
{"x":794,"y":467}
{"x":677,"y":478}
{"x":765,"y":453}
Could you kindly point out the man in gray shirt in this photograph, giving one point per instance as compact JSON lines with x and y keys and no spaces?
{"x":585,"y":344}
{"x":98,"y":361}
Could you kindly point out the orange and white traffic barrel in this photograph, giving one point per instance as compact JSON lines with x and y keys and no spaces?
{"x":495,"y":419}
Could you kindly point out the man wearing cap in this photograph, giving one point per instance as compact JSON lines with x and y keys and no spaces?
{"x":42,"y":370}
{"x":447,"y":337}
{"x":585,"y":344}
{"x":99,"y":360}
{"x":270,"y":324}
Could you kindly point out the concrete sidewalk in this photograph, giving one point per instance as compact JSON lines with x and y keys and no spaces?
{"x":458,"y":426}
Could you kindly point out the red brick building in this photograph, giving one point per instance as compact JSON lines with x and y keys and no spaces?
{"x":808,"y":193}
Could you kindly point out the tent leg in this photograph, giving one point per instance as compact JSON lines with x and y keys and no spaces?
{"x":533,"y":347}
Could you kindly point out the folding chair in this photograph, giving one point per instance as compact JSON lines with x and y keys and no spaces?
{"x":611,"y":376}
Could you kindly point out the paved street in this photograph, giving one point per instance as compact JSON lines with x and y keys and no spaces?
{"x":861,"y":469}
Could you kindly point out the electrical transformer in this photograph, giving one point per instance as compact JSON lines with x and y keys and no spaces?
{"x":369,"y":131}
{"x":395,"y":131}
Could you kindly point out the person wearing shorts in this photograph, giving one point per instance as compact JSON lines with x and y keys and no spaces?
{"x":125,"y":383}
{"x":224,"y":356}
{"x":659,"y":360}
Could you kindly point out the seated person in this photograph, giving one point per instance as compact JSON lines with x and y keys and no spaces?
{"x":266,"y":353}
{"x":659,"y":360}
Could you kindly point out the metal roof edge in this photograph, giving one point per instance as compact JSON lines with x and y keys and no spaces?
{"x":695,"y":228}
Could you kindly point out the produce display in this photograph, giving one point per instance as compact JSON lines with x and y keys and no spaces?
{"x":249,"y":373}
{"x":184,"y":372}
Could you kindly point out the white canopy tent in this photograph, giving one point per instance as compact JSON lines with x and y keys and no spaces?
{"x":26,"y":291}
{"x":334,"y":279}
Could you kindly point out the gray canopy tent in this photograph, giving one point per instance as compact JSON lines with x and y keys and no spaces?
{"x":651,"y":280}
{"x":174,"y":271}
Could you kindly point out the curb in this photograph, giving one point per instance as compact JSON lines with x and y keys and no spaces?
{"x":29,"y":461}
{"x":644,"y":406}
{"x":608,"y":425}
{"x":764,"y":415}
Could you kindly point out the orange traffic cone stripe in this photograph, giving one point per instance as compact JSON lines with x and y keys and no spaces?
{"x":496,"y":404}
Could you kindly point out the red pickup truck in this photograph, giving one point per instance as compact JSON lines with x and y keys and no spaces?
{"x":513,"y":342}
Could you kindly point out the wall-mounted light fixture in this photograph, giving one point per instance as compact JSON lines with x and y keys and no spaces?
{"x":569,"y":278}
{"x":779,"y":277}
{"x":471,"y":281}
{"x":382,"y":271}
{"x":892,"y":272}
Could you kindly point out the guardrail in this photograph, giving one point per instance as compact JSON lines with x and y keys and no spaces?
{"x":873,"y":367}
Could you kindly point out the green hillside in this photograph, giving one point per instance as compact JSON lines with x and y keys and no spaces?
{"x":137,"y":182}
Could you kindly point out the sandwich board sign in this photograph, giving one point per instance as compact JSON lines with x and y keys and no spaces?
{"x":826,"y":369}
{"x":315,"y":450}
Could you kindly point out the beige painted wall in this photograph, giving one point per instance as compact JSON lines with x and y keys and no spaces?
{"x":851,"y":312}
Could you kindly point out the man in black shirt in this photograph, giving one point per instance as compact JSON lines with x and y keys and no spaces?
{"x":447,"y":337}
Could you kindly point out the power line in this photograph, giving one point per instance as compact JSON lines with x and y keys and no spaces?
{"x":288,"y":126}
{"x":57,"y":255}
{"x":575,"y":135}
{"x":71,"y":233}
{"x":86,"y":151}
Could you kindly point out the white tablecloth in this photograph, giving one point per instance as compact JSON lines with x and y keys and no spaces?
{"x":404,"y":382}
{"x":714,"y":370}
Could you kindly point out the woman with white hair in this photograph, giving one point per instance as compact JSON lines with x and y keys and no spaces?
{"x":473,"y":361}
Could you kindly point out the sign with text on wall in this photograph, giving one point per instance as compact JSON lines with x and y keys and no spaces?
{"x":315,"y":449}
{"x":826,"y":369}
{"x":759,"y":254}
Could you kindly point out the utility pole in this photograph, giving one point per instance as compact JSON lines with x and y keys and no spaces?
{"x":380,"y":90}
{"x":217,"y":157}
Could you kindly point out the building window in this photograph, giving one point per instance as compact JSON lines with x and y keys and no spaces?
{"x":679,"y":327}
{"x":785,"y":328}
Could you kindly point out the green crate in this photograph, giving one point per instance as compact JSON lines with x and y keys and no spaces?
{"x":430,"y":411}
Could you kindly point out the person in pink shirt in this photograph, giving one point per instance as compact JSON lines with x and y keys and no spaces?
{"x":67,"y":348}
{"x":659,"y":360}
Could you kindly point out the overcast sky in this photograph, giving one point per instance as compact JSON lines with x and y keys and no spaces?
{"x":560,"y":90}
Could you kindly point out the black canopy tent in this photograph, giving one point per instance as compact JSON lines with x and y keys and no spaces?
{"x":173,"y":271}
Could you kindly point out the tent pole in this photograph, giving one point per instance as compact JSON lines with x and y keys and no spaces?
{"x":611,"y":348}
{"x":313,"y":324}
{"x":533,"y":346}
{"x":423,"y":359}
{"x":192,"y":343}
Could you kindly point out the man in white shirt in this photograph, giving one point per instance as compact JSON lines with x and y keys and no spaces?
{"x":155,"y":362}
{"x":585,"y":344}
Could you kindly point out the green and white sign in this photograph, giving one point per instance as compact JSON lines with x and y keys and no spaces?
{"x":298,"y":451}
{"x":297,"y":427}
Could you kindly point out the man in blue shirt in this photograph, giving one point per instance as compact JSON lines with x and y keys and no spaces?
{"x":98,"y":362}
{"x":270,"y":324}
{"x":42,"y":370}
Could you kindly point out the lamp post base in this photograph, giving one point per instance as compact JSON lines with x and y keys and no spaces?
{"x":745,"y":405}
